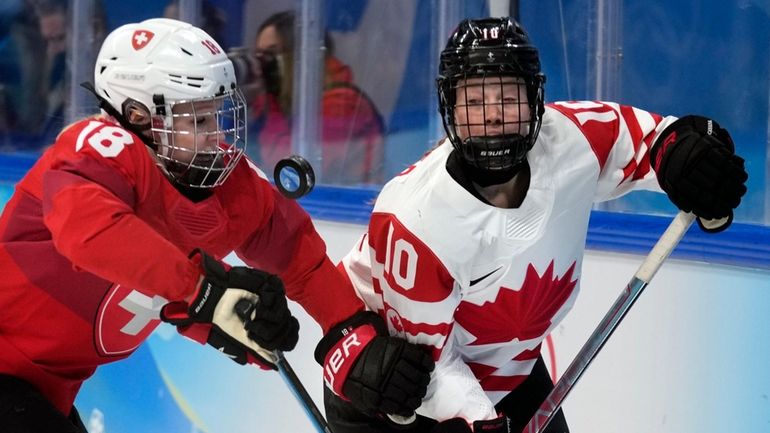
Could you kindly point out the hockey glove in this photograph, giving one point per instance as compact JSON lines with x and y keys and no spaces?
{"x":246,"y":334}
{"x":376,"y":373}
{"x":459,"y":425}
{"x":696,"y":165}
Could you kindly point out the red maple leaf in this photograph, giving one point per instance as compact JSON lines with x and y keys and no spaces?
{"x":396,"y":324}
{"x":524,"y":314}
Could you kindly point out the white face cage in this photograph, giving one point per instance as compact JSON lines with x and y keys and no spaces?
{"x":200,"y":141}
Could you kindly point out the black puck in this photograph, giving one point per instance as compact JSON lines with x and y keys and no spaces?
{"x":294,"y":177}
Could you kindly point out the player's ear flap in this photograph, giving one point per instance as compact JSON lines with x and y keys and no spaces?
{"x":136,"y":113}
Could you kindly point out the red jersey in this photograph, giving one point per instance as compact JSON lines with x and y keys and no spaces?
{"x":95,"y":240}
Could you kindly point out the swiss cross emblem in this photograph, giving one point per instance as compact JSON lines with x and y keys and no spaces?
{"x":141,"y":38}
{"x":125,"y":319}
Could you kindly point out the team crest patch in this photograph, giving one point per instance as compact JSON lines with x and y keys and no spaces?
{"x":125,"y":319}
{"x":141,"y":38}
{"x":395,"y":326}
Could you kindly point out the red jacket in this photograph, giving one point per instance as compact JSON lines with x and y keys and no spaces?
{"x":351,"y":131}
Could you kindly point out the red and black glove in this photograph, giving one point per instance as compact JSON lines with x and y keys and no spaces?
{"x":378,"y":374}
{"x":696,"y":165}
{"x":240,"y":311}
{"x":459,"y":425}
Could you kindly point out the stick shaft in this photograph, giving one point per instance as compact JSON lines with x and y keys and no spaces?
{"x":623,"y":303}
{"x":299,"y":391}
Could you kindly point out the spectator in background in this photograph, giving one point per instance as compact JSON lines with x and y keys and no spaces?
{"x":351,"y":128}
{"x":212,"y":19}
{"x":53,"y":23}
{"x":20,"y":43}
{"x":33,"y":85}
{"x":52,"y":89}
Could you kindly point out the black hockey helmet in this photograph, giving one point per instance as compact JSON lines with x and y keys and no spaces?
{"x":491,"y":48}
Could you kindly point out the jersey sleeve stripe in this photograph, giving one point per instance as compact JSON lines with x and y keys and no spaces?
{"x":503,"y":383}
{"x":87,"y":171}
{"x":597,"y":121}
{"x":632,"y":123}
{"x":644,"y":164}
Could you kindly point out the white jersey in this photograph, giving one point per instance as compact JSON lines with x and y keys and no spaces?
{"x":482,"y":286}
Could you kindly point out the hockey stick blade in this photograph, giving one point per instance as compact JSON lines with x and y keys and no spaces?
{"x":662,"y":249}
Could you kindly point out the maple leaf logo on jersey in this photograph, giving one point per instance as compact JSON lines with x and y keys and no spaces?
{"x":394,"y":321}
{"x":521,"y":314}
{"x":141,"y":38}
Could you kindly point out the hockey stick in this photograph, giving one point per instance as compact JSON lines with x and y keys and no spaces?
{"x":243,"y":309}
{"x":299,"y":391}
{"x":639,"y":281}
{"x":294,"y":177}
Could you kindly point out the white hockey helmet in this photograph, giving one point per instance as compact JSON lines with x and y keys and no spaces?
{"x":161,"y":63}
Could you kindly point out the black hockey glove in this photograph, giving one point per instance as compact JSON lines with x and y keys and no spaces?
{"x":240,"y":311}
{"x":376,"y":373}
{"x":696,"y":165}
{"x":459,"y":425}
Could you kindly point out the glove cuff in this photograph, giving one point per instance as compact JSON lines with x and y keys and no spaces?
{"x":453,"y":425}
{"x":497,"y":425}
{"x":683,"y":126}
{"x":210,"y":287}
{"x":715,"y":225}
{"x":341,"y":330}
{"x":340,"y":348}
{"x":176,"y":313}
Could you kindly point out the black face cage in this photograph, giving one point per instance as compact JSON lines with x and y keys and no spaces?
{"x":492,"y":131}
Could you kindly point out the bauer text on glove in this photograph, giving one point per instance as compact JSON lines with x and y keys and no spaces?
{"x":377,"y":373}
{"x":696,"y":165}
{"x":458,"y":425}
{"x":244,"y":334}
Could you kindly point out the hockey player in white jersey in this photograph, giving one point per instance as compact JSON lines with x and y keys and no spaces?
{"x":475,"y":251}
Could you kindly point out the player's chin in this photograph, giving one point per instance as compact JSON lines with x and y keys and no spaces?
{"x":204,"y":171}
{"x":202,"y":178}
{"x":209,"y":162}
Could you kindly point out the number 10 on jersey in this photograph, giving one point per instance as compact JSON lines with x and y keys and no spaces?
{"x":400,"y":260}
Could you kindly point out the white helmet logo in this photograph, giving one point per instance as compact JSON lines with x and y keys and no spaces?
{"x":141,"y":38}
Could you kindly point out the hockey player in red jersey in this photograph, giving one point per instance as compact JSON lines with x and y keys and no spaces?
{"x":123,"y":222}
{"x":475,"y":251}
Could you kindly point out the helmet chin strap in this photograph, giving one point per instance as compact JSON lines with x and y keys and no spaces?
{"x":194,"y":175}
{"x":486,"y":177}
{"x":493,"y":160}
